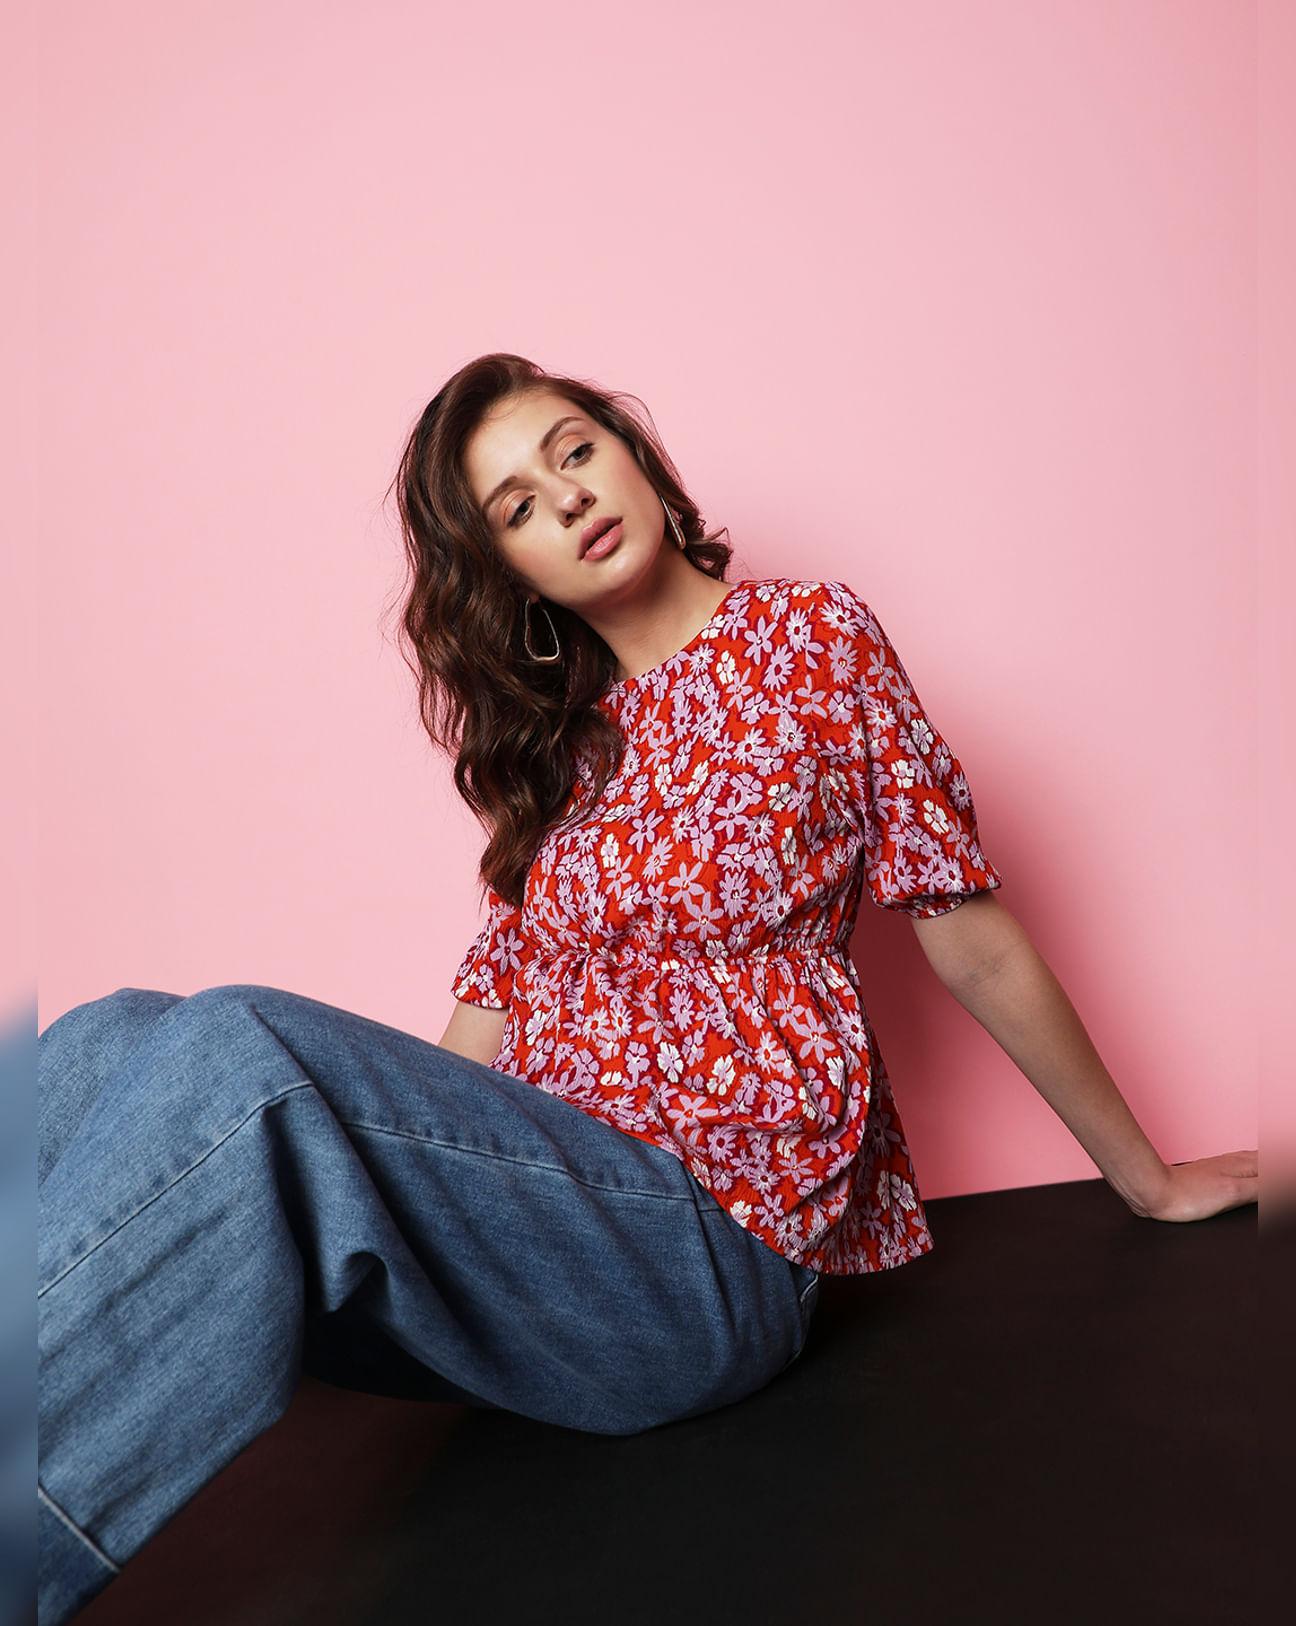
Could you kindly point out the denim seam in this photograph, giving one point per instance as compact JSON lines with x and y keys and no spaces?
{"x":302,"y":1084}
{"x":76,"y":1529}
{"x":527,"y":1163}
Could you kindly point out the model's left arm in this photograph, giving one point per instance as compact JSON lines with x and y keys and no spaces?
{"x":985,"y":958}
{"x":908,"y":793}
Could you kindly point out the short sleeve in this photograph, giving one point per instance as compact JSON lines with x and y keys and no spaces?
{"x":922,"y":850}
{"x":485,"y":974}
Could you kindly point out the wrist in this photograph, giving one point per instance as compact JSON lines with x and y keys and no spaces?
{"x":1143,"y":1191}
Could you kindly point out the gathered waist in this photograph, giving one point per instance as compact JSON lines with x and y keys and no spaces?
{"x":695,"y":954}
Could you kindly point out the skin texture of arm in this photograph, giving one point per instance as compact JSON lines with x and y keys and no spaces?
{"x":474,"y":1031}
{"x":986,"y":960}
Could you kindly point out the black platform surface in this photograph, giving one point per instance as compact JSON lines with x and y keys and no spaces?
{"x":1050,"y":1418}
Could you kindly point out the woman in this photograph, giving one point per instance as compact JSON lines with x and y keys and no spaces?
{"x":658,"y":1113}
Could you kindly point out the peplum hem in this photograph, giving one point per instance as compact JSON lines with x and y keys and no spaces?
{"x":758,"y":1069}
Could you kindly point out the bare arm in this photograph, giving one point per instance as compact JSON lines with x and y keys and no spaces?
{"x":474,"y":1031}
{"x":987,"y":961}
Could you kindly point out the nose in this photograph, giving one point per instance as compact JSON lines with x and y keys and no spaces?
{"x":575,"y":502}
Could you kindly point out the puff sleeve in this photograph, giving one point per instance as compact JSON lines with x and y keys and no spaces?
{"x":904,"y":785}
{"x":485,"y":974}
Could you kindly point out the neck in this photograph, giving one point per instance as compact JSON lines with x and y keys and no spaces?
{"x":660,"y":617}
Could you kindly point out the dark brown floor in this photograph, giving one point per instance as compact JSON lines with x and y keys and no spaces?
{"x":1051,"y":1418}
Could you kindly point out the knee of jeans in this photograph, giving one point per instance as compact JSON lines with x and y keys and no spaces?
{"x":135,"y":1004}
{"x":236,"y":993}
{"x":223,"y":997}
{"x":124,"y":1007}
{"x":210,"y":1016}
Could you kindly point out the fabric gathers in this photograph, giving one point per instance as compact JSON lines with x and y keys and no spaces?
{"x":680,"y":965}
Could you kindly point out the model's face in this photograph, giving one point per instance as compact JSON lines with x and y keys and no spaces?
{"x":541,"y":471}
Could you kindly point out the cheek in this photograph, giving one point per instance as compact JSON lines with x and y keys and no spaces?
{"x":530,"y":554}
{"x":622,"y":484}
{"x":546,"y":564}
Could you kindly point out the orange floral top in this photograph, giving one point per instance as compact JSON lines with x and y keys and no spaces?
{"x":680,"y":963}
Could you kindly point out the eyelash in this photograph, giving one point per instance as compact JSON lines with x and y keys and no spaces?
{"x":585,"y":445}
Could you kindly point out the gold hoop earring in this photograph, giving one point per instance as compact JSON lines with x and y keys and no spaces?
{"x":526,"y":633}
{"x":674,"y":524}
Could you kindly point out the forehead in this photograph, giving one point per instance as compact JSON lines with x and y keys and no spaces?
{"x":507,"y":437}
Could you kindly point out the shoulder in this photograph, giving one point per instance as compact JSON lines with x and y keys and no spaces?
{"x":805,"y":603}
{"x":787,"y":593}
{"x":841,"y":606}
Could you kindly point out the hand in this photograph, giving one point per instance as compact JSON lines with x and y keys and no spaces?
{"x":1204,"y":1186}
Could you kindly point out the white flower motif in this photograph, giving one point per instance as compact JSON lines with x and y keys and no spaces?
{"x":937,"y":817}
{"x":670,"y":1062}
{"x":922,"y":734}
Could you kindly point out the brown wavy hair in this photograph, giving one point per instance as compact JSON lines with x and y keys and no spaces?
{"x":522,"y":733}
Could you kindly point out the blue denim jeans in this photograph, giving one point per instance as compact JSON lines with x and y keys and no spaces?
{"x":245,"y":1183}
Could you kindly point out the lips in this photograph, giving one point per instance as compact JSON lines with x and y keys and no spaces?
{"x":594,"y":530}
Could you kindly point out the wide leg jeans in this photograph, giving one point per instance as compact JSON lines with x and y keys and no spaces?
{"x":242,"y":1184}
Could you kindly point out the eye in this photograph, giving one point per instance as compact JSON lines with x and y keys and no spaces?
{"x":586,"y":446}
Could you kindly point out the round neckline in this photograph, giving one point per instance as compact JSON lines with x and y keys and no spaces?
{"x":625,"y":683}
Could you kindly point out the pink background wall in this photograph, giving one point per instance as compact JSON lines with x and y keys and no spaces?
{"x":957,"y":303}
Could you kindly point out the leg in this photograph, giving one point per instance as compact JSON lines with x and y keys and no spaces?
{"x":78,"y":1052}
{"x":263,"y":1162}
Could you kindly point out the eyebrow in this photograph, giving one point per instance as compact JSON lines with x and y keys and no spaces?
{"x":512,"y":479}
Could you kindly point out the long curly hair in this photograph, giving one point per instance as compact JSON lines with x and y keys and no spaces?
{"x":522,"y":733}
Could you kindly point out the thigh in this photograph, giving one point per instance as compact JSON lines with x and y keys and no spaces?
{"x":533,"y":1256}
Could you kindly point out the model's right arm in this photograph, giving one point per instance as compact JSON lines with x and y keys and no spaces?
{"x":474,"y":1031}
{"x":483,"y":983}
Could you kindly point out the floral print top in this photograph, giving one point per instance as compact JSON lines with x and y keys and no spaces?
{"x":680,"y":963}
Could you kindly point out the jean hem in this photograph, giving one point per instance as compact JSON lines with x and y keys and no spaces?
{"x":72,"y":1568}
